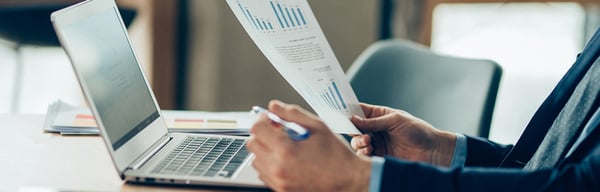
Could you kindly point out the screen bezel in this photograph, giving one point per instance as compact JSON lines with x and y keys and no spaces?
{"x":125,"y":155}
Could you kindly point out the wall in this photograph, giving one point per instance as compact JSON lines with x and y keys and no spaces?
{"x":226,"y":71}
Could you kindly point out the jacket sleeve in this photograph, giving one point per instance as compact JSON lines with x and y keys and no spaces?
{"x":485,"y":153}
{"x":406,"y":176}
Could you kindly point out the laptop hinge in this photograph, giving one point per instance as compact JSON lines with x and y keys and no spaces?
{"x":155,"y":149}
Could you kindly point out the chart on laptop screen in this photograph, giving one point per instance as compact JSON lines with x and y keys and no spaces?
{"x":288,"y":34}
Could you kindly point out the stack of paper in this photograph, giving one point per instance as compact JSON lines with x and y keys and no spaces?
{"x":70,"y":120}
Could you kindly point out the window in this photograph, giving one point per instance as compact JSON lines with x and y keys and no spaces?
{"x":535,"y":43}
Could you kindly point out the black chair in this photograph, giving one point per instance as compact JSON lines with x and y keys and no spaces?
{"x":30,"y":25}
{"x":454,"y":94}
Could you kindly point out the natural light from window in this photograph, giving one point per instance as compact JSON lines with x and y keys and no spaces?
{"x":535,"y":43}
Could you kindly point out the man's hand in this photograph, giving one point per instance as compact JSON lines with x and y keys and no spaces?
{"x":399,"y":134}
{"x":320,"y":163}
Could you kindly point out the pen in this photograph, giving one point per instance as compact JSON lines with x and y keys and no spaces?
{"x":294,"y":131}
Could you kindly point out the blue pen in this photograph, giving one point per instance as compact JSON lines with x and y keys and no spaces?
{"x":294,"y":131}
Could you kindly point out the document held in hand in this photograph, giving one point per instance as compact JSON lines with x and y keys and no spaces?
{"x":288,"y":34}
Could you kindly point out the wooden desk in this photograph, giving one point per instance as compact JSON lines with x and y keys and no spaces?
{"x":31,"y":158}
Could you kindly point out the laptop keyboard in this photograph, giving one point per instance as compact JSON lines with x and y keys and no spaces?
{"x":204,"y":156}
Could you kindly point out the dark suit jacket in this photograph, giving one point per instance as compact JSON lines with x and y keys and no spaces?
{"x":495,"y":167}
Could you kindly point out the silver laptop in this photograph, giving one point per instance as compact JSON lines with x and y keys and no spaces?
{"x":134,"y":131}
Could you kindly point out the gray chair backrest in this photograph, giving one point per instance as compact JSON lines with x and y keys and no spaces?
{"x":453,"y":94}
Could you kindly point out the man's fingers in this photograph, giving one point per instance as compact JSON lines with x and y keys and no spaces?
{"x":355,"y":143}
{"x":260,"y":166}
{"x":360,"y":141}
{"x":267,"y":131}
{"x":257,"y":147}
{"x":362,"y":145}
{"x":366,"y":151}
{"x":264,"y":179}
{"x":294,"y":113}
{"x":376,"y":124}
{"x":374,"y":110}
{"x":367,"y":109}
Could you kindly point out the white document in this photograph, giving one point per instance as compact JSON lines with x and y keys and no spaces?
{"x":288,"y":34}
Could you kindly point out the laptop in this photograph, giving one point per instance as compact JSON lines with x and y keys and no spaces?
{"x":131,"y":125}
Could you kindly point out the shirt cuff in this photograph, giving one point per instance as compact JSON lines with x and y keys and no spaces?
{"x":376,"y":173}
{"x":460,"y":151}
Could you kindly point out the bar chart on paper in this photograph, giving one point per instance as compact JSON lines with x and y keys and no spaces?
{"x":294,"y":43}
{"x":260,"y":23}
{"x":289,"y":16}
{"x":282,"y":16}
{"x":332,"y":96}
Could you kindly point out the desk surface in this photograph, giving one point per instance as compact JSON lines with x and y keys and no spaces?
{"x":31,"y":158}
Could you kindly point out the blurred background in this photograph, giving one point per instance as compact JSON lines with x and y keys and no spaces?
{"x":198,"y":57}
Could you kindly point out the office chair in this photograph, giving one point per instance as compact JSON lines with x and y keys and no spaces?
{"x":30,"y":25}
{"x":453,"y":94}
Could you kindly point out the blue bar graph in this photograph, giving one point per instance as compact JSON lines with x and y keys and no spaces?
{"x":296,"y":17}
{"x":249,"y":18}
{"x":301,"y":16}
{"x":283,"y":15}
{"x":333,"y":97}
{"x":259,"y":23}
{"x":327,"y":101}
{"x":337,"y":105}
{"x":338,"y":94}
{"x":265,"y":24}
{"x":253,"y":21}
{"x":289,"y":16}
{"x":277,"y":14}
{"x":332,"y":100}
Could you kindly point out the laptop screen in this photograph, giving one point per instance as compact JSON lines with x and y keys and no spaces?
{"x":106,"y":64}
